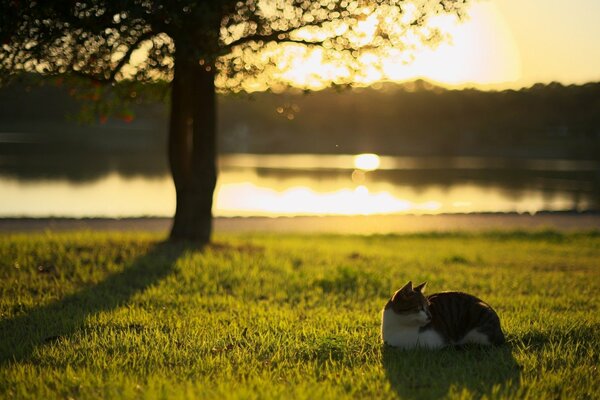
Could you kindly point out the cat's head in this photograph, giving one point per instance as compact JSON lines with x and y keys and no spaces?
{"x":410,"y":305}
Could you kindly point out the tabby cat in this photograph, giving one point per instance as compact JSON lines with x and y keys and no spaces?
{"x":442,"y":319}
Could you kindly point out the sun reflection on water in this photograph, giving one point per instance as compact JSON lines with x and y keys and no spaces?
{"x":367,"y":161}
{"x":249,"y":199}
{"x":243,"y":197}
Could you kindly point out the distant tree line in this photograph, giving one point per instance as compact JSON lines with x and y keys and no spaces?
{"x":421,"y":119}
{"x":411,"y":119}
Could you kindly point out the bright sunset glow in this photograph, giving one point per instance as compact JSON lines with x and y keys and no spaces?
{"x":497,"y":46}
{"x":502,"y":44}
{"x":481,"y":50}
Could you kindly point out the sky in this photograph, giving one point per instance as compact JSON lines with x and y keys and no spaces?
{"x":516,"y":43}
{"x":556,"y":40}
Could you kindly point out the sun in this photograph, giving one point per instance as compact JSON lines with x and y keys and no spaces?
{"x":481,"y":50}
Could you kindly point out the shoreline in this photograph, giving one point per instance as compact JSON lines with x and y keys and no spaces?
{"x":365,"y":225}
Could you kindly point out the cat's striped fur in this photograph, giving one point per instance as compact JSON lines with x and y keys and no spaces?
{"x":442,"y":319}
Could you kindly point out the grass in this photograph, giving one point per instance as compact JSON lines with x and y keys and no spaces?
{"x":89,"y":315}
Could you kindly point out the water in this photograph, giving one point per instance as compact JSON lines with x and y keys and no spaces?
{"x":287,"y":185}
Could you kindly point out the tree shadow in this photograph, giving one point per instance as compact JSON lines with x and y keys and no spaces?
{"x":22,"y":335}
{"x":425,"y":374}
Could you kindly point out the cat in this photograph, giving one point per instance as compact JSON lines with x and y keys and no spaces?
{"x":410,"y":319}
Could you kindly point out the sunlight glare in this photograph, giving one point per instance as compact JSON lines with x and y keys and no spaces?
{"x":481,"y":50}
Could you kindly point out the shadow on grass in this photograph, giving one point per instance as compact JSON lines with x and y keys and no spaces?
{"x":22,"y":335}
{"x":579,"y":336}
{"x":423,"y":374}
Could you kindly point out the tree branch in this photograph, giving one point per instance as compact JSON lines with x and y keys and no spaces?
{"x":127,"y":56}
{"x":276,"y":37}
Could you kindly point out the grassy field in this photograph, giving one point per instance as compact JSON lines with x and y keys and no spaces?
{"x":87,"y":315}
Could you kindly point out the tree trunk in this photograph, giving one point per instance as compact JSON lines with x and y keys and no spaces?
{"x":192,"y":147}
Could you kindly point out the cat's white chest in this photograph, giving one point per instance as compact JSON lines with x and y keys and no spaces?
{"x":430,"y":339}
{"x":398,"y":334}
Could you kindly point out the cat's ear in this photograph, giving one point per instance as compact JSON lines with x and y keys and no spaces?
{"x":403,"y":291}
{"x":421,"y":287}
{"x":407,"y":288}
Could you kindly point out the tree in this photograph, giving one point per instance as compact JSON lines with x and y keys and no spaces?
{"x":193,"y":43}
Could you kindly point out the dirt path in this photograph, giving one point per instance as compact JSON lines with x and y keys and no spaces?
{"x":346,"y":225}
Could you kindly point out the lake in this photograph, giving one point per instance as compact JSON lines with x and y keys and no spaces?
{"x":121,"y":185}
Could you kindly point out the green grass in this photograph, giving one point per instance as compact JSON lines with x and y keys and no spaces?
{"x":87,"y":315}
